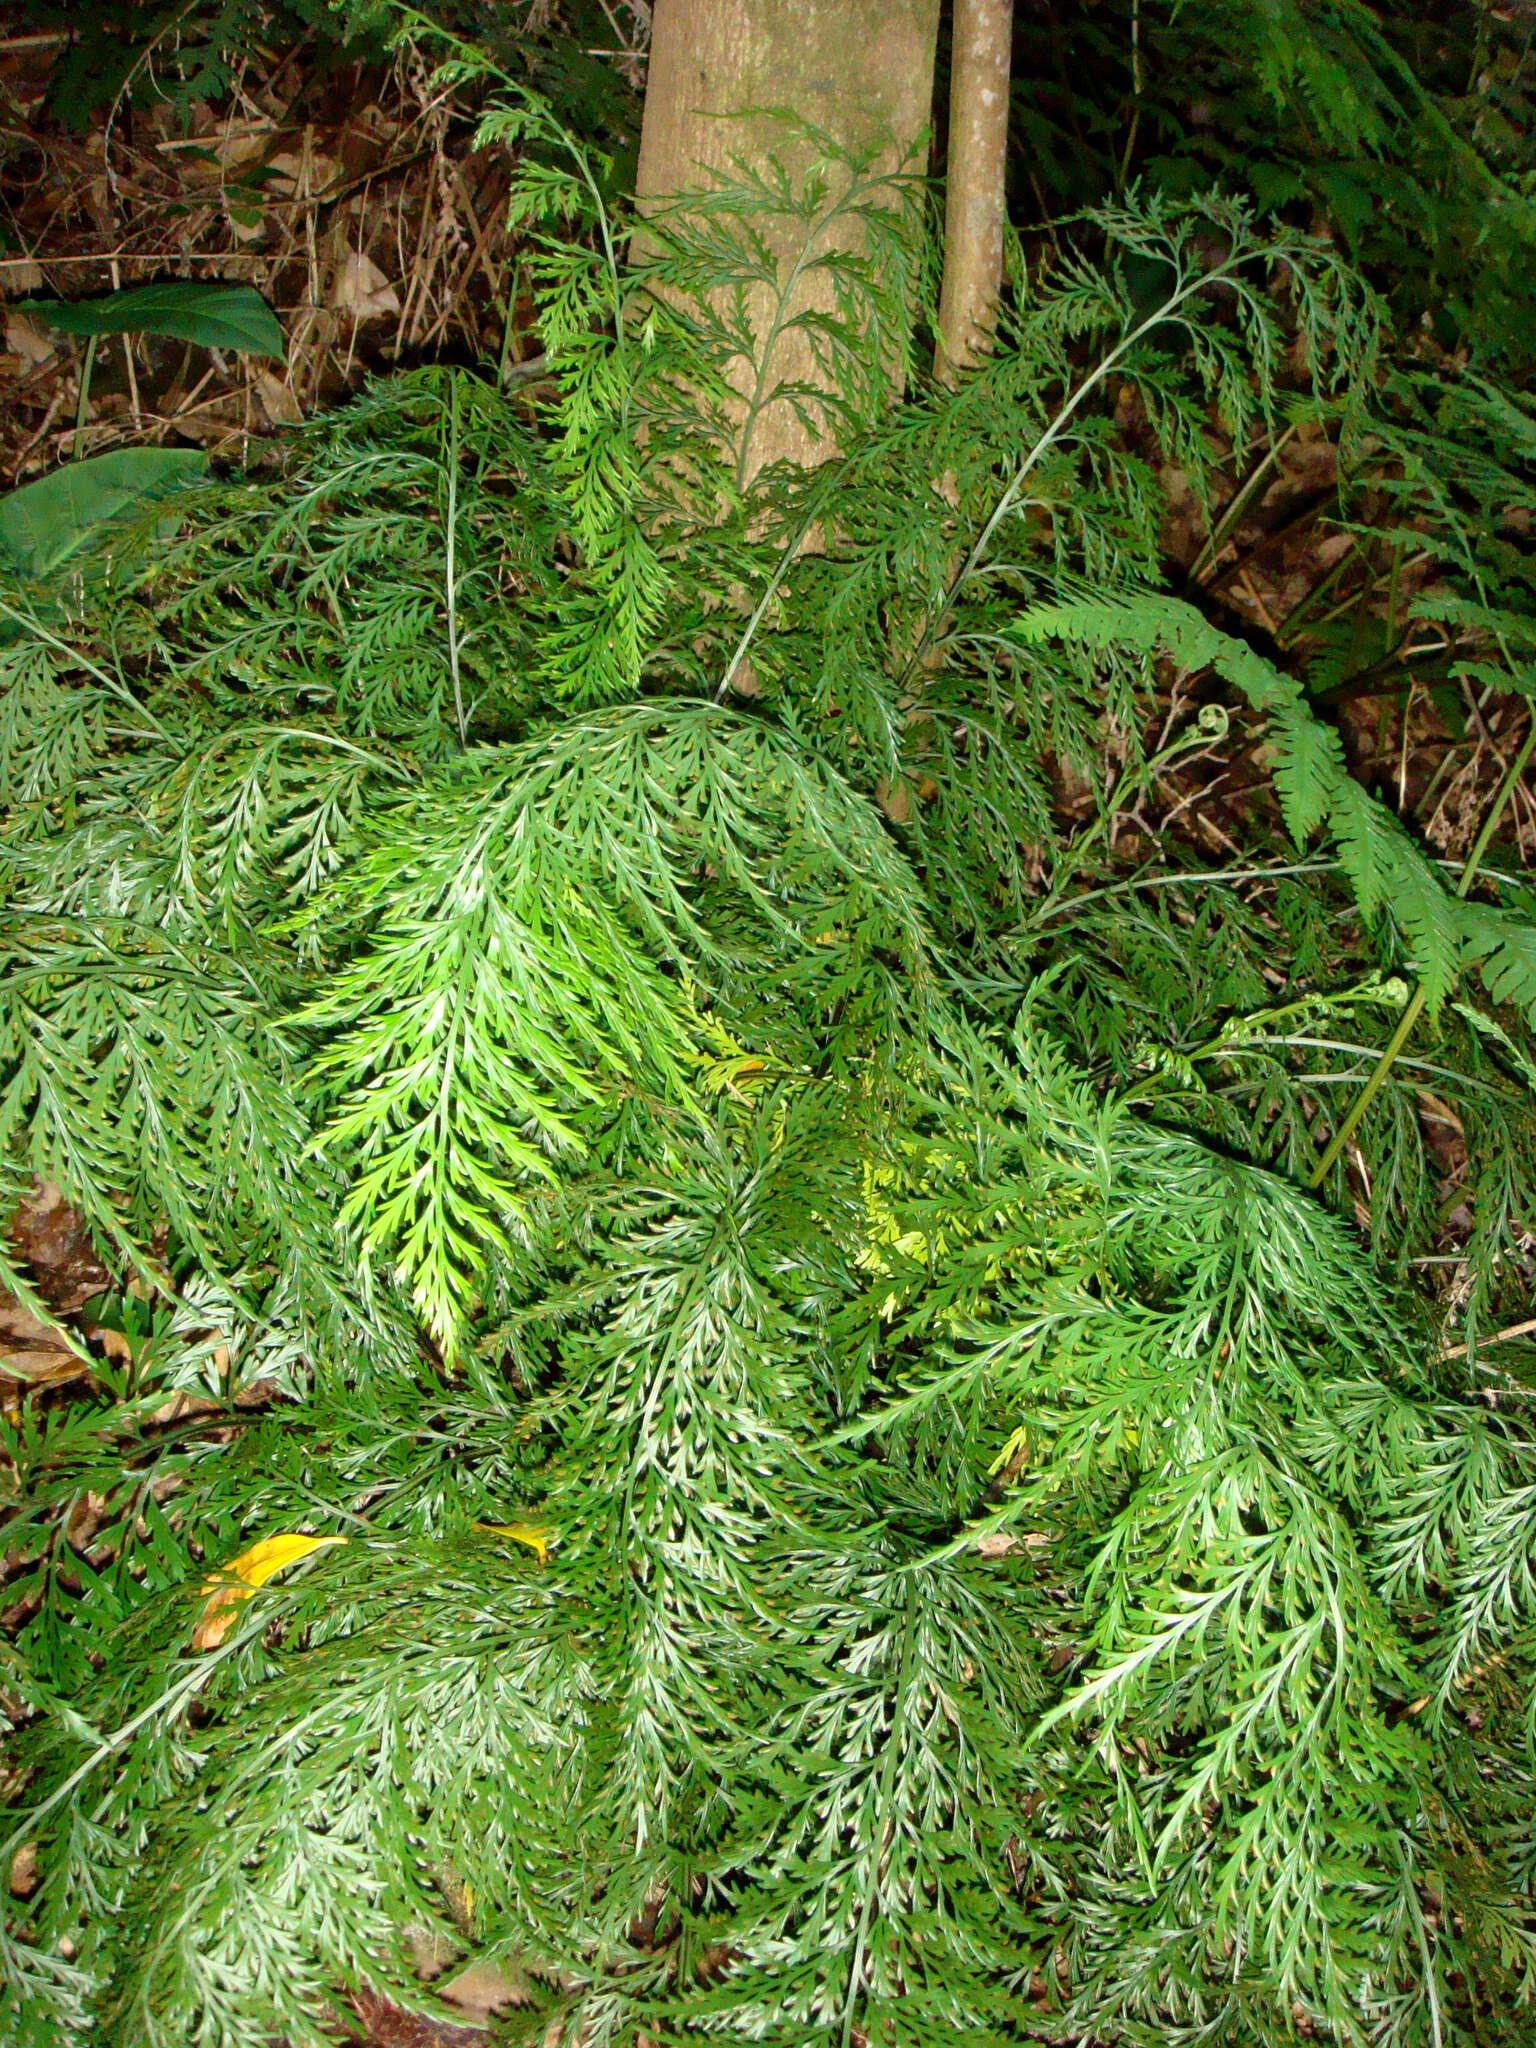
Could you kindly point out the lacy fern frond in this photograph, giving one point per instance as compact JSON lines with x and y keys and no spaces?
{"x":1314,"y":786}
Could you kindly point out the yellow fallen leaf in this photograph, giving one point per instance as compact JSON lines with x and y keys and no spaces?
{"x":537,"y":1539}
{"x":237,"y":1580}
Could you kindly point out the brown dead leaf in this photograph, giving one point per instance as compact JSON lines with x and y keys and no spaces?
{"x":289,"y":174}
{"x":19,"y":1328}
{"x":386,"y":2025}
{"x":211,"y":427}
{"x":24,"y":340}
{"x":277,"y":399}
{"x":113,"y":1343}
{"x":362,"y":290}
{"x":364,"y":138}
{"x":895,"y":799}
{"x":431,"y":1951}
{"x":203,"y":158}
{"x":34,"y":1353}
{"x":246,"y":223}
{"x":51,"y":1367}
{"x":50,"y":1236}
{"x":23,"y":1873}
{"x":481,"y":1989}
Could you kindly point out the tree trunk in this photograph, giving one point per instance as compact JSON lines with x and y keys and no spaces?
{"x":974,"y":182}
{"x":860,"y":70}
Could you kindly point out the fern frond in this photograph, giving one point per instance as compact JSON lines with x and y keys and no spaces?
{"x":520,"y":921}
{"x":1384,"y":866}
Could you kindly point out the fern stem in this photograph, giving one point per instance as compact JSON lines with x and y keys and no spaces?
{"x":1196,"y":878}
{"x":1509,"y":1336}
{"x":781,"y":569}
{"x":1410,"y":1016}
{"x":449,"y":577}
{"x":1130,"y":140}
{"x":1224,"y":527}
{"x":83,"y":405}
{"x":118,"y":688}
{"x":167,"y":1702}
{"x":1053,"y":432}
{"x":1372,"y":1088}
{"x":783,"y":320}
{"x":1496,"y":809}
{"x":1195,"y":738}
{"x":895,"y":1734}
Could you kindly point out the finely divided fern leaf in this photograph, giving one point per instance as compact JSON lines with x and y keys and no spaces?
{"x":1504,"y":947}
{"x":1309,"y":761}
{"x":1385,"y":868}
{"x":604,"y":1018}
{"x":523,"y":928}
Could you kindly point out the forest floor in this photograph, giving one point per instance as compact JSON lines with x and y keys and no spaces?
{"x":350,"y":197}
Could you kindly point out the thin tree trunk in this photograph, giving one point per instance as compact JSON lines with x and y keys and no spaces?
{"x":860,"y":70}
{"x":974,"y":183}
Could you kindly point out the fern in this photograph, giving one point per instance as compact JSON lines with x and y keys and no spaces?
{"x":570,"y":1010}
{"x":1315,"y":788}
{"x":518,"y":921}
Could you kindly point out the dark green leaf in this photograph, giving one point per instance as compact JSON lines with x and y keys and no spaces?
{"x":43,"y":524}
{"x":213,"y":315}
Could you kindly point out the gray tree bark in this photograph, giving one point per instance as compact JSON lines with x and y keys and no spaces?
{"x":861,"y":70}
{"x":974,"y":208}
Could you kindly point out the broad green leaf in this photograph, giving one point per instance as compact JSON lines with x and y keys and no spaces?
{"x":214,"y":315}
{"x":43,"y":524}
